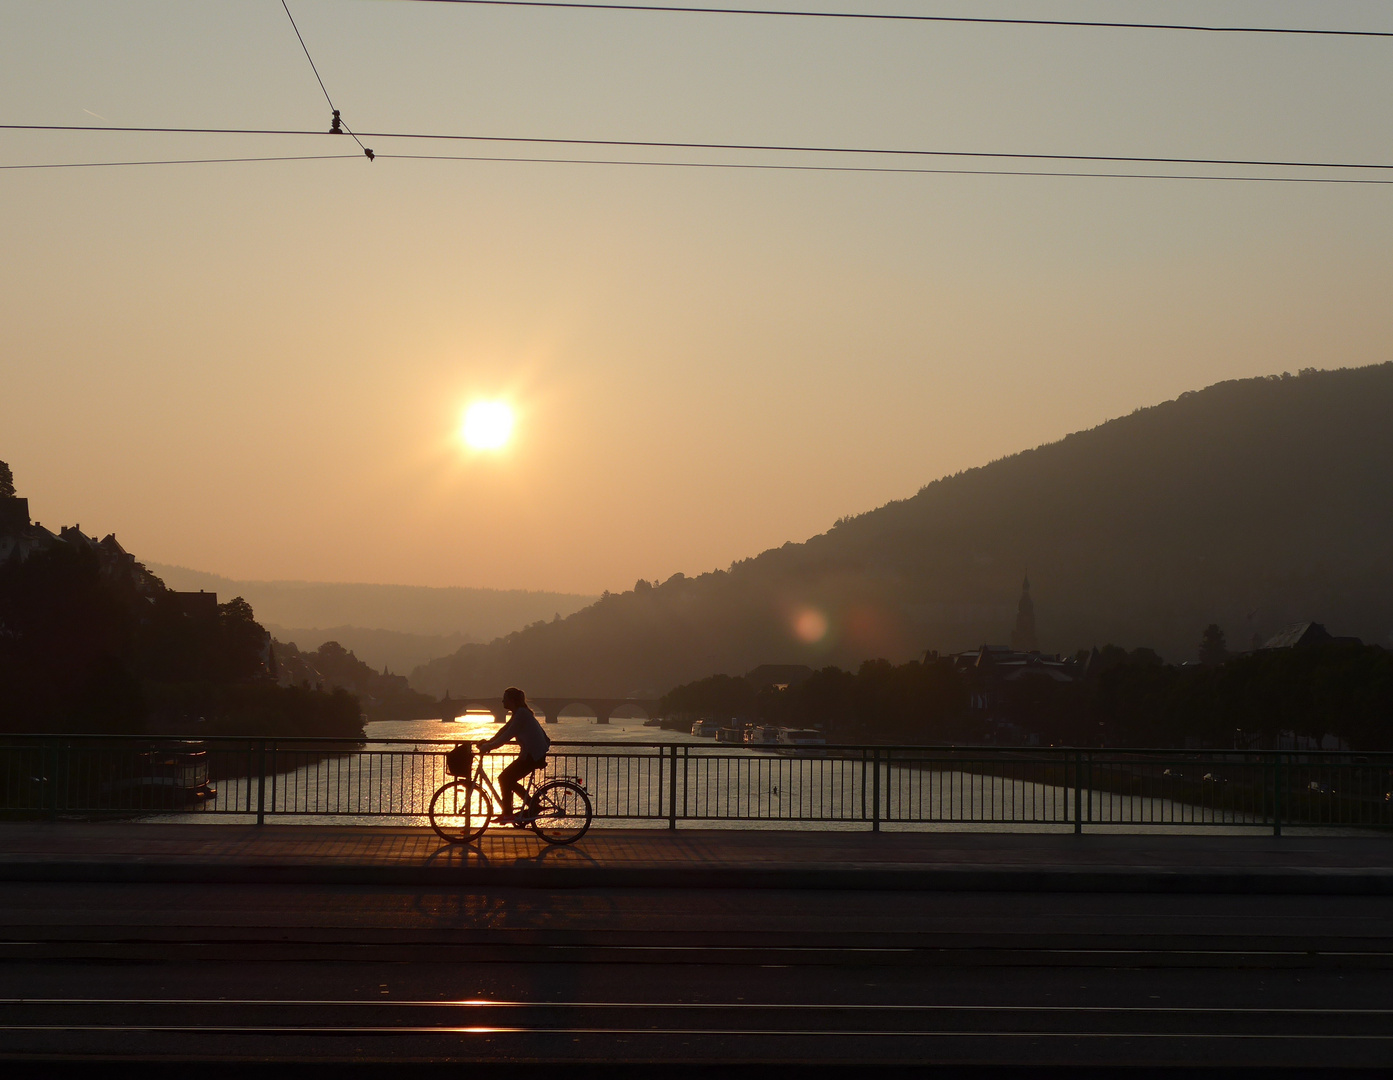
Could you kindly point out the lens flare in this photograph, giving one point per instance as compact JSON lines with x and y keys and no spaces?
{"x":809,"y":625}
{"x":487,"y":425}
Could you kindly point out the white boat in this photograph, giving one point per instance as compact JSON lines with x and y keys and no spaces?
{"x":801,"y":737}
{"x":176,"y":776}
{"x":705,"y":728}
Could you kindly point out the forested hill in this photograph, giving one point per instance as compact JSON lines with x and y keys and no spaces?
{"x":1253,"y":504}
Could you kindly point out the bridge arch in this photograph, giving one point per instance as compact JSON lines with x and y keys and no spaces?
{"x":631,"y":710}
{"x":554,"y":707}
{"x":551,"y":707}
{"x":451,"y":709}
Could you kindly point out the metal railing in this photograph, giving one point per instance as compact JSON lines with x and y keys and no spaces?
{"x":387,"y":781}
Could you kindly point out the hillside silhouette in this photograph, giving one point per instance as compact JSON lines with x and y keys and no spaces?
{"x":1252,"y":504}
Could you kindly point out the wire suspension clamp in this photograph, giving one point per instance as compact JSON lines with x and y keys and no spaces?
{"x":337,"y":127}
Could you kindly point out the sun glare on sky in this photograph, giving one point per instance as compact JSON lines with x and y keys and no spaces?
{"x":487,"y":425}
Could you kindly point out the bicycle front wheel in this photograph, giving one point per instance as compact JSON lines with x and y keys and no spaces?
{"x":563,"y":812}
{"x":460,"y":812}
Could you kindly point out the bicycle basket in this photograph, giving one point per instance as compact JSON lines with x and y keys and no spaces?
{"x":460,"y":760}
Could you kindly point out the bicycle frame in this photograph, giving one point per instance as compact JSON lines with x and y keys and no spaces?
{"x":482,"y":778}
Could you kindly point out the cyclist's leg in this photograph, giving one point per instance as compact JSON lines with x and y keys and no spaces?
{"x":510,"y":781}
{"x":524,"y":768}
{"x":529,"y":811}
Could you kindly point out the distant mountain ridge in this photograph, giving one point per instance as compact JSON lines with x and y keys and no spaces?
{"x":1253,"y":503}
{"x":419,"y":621}
{"x":394,"y":650}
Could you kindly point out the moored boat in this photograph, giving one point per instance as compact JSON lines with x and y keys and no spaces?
{"x":163,"y":777}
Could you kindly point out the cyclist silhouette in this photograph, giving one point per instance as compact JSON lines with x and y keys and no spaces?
{"x":533,"y":745}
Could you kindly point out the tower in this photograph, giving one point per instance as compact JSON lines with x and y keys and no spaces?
{"x":1023,"y":636}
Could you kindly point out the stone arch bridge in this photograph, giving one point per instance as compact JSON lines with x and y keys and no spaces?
{"x":550,"y":707}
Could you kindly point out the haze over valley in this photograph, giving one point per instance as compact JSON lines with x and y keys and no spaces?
{"x":398,"y":626}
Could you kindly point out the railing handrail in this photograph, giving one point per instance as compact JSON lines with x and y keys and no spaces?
{"x":943,"y":748}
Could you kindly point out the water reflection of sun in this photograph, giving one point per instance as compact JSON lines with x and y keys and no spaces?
{"x":471,"y":726}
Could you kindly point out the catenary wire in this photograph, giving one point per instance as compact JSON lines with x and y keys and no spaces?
{"x":727,"y":165}
{"x":892,"y":170}
{"x":181,"y":161}
{"x":652,"y":144}
{"x":306,"y":48}
{"x":887,"y":16}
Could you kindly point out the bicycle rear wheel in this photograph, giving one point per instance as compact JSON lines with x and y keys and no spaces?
{"x":563,"y":812}
{"x":460,"y":811}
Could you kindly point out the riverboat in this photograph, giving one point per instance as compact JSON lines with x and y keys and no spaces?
{"x":164,"y":777}
{"x":705,"y":728}
{"x":730,"y":735}
{"x":800,"y":737}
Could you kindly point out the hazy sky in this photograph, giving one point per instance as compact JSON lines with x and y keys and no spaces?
{"x":259,"y":369}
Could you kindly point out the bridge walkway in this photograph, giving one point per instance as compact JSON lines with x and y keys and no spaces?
{"x":745,"y":858}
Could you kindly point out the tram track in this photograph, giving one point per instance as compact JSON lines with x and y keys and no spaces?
{"x":632,"y":1031}
{"x":987,"y":951}
{"x":643,"y":980}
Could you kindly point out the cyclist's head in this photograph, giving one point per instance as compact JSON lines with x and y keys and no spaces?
{"x":514,"y":698}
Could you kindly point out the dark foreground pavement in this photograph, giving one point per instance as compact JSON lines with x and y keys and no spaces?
{"x":476,"y":974}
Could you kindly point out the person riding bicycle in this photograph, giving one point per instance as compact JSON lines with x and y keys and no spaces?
{"x":533,"y":745}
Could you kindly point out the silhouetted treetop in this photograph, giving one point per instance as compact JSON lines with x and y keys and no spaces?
{"x":1214,"y":646}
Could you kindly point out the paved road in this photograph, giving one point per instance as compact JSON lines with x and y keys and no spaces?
{"x":649,"y":977}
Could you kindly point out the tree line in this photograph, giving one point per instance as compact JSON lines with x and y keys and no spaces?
{"x":1116,"y":698}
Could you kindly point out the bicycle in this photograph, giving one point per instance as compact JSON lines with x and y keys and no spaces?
{"x":462,"y":809}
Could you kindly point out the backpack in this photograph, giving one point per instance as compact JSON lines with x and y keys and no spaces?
{"x":460,"y":760}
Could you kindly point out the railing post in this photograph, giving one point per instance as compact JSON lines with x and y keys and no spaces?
{"x":1277,"y":783}
{"x":1078,"y":792}
{"x":875,"y":789}
{"x":672,"y":789}
{"x":51,"y":769}
{"x":864,"y":778}
{"x":1088,"y":786}
{"x":662,"y":768}
{"x":261,"y":783}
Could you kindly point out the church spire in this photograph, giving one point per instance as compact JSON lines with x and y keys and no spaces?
{"x":1023,"y":637}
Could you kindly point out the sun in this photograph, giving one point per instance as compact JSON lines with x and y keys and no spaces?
{"x":487,"y":425}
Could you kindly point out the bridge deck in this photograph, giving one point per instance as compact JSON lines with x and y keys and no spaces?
{"x":77,"y":851}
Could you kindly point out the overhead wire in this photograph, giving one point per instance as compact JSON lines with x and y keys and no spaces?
{"x":894,"y":170}
{"x":653,"y":144}
{"x":180,"y":161}
{"x":339,"y":127}
{"x":1100,"y":24}
{"x":731,"y":165}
